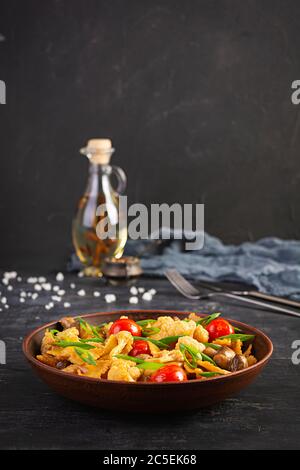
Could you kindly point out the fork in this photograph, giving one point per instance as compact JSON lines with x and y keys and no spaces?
{"x":189,"y":291}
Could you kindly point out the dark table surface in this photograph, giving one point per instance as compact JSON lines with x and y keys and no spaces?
{"x":264,"y":416}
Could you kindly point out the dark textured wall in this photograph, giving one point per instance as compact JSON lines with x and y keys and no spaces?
{"x":195,"y":95}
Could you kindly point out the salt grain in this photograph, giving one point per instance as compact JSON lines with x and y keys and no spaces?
{"x":56,"y":298}
{"x":42,"y":279}
{"x":6,"y":306}
{"x":19,"y":279}
{"x":61,"y":292}
{"x":133,"y":290}
{"x":3,"y":300}
{"x":56,"y":288}
{"x":72,"y":285}
{"x":67,"y":305}
{"x":133,"y":300}
{"x":22,"y":294}
{"x":152,"y":291}
{"x":141,"y":289}
{"x":80,"y":274}
{"x":29,"y":294}
{"x":10,"y":288}
{"x":96,"y":294}
{"x":32,"y":280}
{"x":60,"y":277}
{"x":81,"y":293}
{"x":22,"y":300}
{"x":5,"y":281}
{"x":147,"y":296}
{"x":34,"y":296}
{"x":37,"y":287}
{"x":110,"y":298}
{"x":46,"y":286}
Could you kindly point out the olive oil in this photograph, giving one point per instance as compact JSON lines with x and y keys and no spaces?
{"x":91,"y":245}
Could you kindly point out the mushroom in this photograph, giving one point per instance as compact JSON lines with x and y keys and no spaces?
{"x":224,"y":357}
{"x":239,"y":362}
{"x":209,"y":351}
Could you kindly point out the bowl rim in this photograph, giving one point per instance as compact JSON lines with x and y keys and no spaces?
{"x":40,"y":365}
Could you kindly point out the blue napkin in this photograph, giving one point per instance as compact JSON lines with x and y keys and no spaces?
{"x":271,"y":265}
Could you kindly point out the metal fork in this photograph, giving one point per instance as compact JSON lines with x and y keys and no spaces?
{"x":189,"y":291}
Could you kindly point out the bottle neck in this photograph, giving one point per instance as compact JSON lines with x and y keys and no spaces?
{"x":98,"y":178}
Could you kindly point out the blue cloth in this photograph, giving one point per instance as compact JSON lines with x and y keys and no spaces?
{"x":270,"y":264}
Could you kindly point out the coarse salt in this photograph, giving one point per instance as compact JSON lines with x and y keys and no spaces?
{"x":141,"y":290}
{"x":60,"y":277}
{"x":147,"y":296}
{"x":46,"y":286}
{"x":133,"y":290}
{"x":37,"y":287}
{"x":3,"y":300}
{"x":80,"y":274}
{"x":110,"y":298}
{"x":133,"y":300}
{"x":81,"y":293}
{"x":61,"y":292}
{"x":67,"y":305}
{"x":34,"y":296}
{"x":96,"y":294}
{"x":10,"y":288}
{"x":72,"y":285}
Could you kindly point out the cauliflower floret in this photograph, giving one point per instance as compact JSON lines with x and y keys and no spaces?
{"x":123,"y":370}
{"x":170,"y":327}
{"x":70,"y":334}
{"x":167,"y":356}
{"x":188,"y":341}
{"x":201,"y":334}
{"x":121,"y":343}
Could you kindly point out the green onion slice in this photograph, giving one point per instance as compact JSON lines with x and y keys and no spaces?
{"x":145,"y":322}
{"x":67,"y":344}
{"x":209,"y":374}
{"x":206,"y":320}
{"x":86,"y":357}
{"x":140,"y":363}
{"x":212,"y":345}
{"x":238,"y":336}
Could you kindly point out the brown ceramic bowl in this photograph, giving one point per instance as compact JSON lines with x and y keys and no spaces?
{"x":146,"y":397}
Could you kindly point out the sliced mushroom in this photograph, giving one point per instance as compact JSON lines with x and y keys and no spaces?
{"x":209,"y":351}
{"x":239,"y":362}
{"x":224,"y":357}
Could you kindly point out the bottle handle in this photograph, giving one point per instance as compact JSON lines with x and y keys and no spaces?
{"x":121,"y":177}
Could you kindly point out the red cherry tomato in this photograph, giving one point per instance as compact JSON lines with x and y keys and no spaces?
{"x":170,"y":373}
{"x":140,"y":347}
{"x":219,"y":327}
{"x":125,"y":324}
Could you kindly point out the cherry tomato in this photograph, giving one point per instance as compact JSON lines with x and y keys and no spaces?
{"x":125,"y":324}
{"x":140,"y":347}
{"x":170,"y":373}
{"x":219,"y":327}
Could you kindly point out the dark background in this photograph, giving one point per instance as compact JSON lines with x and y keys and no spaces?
{"x":194,"y":94}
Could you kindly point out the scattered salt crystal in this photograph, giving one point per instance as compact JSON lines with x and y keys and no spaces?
{"x":3,"y":300}
{"x":147,"y":296}
{"x":56,"y":298}
{"x":133,"y":300}
{"x":81,"y":293}
{"x":29,"y":294}
{"x":32,"y":280}
{"x":60,"y":277}
{"x":42,"y":279}
{"x":10,"y":274}
{"x":110,"y":298}
{"x":141,"y":289}
{"x":6,"y":306}
{"x":37,"y":318}
{"x":56,"y":288}
{"x":72,"y":285}
{"x":61,"y":292}
{"x":19,"y":279}
{"x":10,"y":288}
{"x":47,"y":307}
{"x":152,"y":291}
{"x":46,"y":286}
{"x":37,"y":287}
{"x":133,"y":290}
{"x":67,"y":304}
{"x":34,"y":296}
{"x":96,"y":294}
{"x":22,"y":300}
{"x":22,"y":294}
{"x":80,"y":274}
{"x":5,"y":281}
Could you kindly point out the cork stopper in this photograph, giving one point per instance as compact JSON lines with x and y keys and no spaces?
{"x":99,"y":151}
